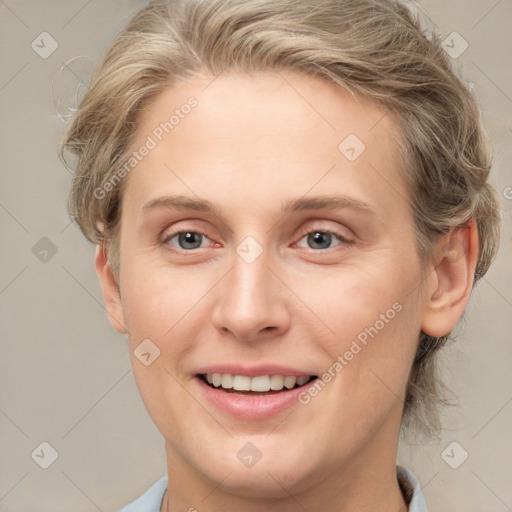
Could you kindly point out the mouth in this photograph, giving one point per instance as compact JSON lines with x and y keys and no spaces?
{"x":261,"y":385}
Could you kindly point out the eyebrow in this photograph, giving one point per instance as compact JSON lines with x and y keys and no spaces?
{"x":323,"y":202}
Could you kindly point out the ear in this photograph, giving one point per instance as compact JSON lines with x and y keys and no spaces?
{"x":111,"y":294}
{"x":451,"y":281}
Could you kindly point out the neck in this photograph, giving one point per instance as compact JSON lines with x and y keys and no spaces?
{"x":392,"y":501}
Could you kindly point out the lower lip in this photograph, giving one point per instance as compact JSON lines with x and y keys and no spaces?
{"x":251,"y":407}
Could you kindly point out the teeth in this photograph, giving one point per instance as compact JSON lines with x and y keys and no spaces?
{"x":241,"y":383}
{"x":289,"y":382}
{"x":217,"y":379}
{"x":227,"y":381}
{"x":302,"y":380}
{"x":276,"y":382}
{"x":261,"y":384}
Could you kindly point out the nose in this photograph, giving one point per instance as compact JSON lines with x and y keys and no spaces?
{"x":251,"y":300}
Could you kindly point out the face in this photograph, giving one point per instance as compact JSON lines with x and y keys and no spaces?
{"x":268,"y":235}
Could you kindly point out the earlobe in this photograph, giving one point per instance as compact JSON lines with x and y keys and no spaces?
{"x":110,"y":290}
{"x":446,"y":301}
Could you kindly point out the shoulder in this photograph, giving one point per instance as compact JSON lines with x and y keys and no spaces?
{"x":151,"y":500}
{"x":411,"y":489}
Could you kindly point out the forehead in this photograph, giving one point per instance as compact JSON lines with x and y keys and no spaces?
{"x":276,"y":132}
{"x":265,"y":102}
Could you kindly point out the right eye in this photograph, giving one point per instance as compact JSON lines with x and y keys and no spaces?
{"x":186,"y":239}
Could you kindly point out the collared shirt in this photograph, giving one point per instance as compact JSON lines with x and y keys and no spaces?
{"x":151,"y":500}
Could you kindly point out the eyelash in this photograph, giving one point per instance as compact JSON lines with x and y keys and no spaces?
{"x":338,"y":236}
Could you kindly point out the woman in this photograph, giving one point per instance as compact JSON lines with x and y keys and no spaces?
{"x":291,"y":208}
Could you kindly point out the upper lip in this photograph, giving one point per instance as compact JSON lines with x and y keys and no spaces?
{"x":254,"y":371}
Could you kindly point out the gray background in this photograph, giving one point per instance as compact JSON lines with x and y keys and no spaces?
{"x":65,"y":374}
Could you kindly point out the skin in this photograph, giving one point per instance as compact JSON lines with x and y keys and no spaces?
{"x":251,"y":144}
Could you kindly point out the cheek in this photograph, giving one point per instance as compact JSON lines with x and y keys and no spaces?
{"x":373,"y":324}
{"x":158,"y":299}
{"x":161,"y":307}
{"x":354,"y":302}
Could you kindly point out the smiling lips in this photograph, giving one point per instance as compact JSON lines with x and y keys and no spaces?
{"x":245,"y":404}
{"x":252,"y":393}
{"x":260,"y":383}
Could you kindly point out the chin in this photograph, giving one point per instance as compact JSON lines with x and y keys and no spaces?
{"x":275,"y":475}
{"x":263,"y":483}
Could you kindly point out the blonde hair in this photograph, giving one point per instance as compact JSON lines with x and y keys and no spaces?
{"x":376,"y":49}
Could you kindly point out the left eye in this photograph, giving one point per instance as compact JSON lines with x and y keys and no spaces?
{"x":323,"y":239}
